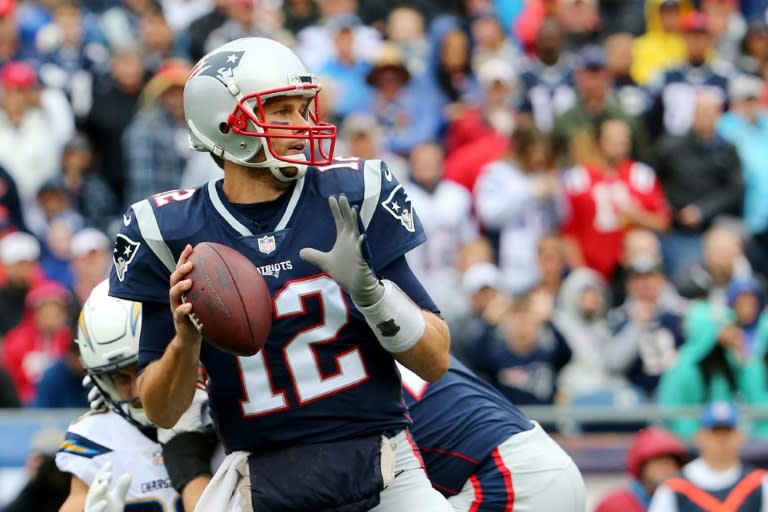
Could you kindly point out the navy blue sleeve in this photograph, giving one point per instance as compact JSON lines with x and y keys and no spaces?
{"x":401,"y":274}
{"x":157,"y":331}
{"x":394,"y":228}
{"x":137,"y":274}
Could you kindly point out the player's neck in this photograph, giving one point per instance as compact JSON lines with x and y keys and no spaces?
{"x":245,"y":186}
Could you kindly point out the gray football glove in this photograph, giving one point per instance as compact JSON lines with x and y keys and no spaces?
{"x":345,"y":262}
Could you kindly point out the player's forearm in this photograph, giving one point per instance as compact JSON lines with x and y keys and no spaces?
{"x":193,"y":490}
{"x":167,"y":386}
{"x":430,"y":357}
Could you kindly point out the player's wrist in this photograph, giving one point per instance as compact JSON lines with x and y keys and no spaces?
{"x":396,"y":321}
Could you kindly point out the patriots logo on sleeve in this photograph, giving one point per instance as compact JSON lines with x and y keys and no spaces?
{"x":122,"y":256}
{"x":84,"y":447}
{"x":398,"y":204}
{"x":220,"y":66}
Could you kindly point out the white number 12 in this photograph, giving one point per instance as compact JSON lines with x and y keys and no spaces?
{"x":299,"y":353}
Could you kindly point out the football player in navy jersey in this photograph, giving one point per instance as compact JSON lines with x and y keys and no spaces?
{"x":483,"y":452}
{"x":322,"y":399}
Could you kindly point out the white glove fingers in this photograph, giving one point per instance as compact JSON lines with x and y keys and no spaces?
{"x":313,"y":256}
{"x":121,"y":489}
{"x":98,"y":507}
{"x":87,"y":381}
{"x":338,"y":219}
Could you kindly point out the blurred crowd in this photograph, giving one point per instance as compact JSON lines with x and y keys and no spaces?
{"x":591,"y":175}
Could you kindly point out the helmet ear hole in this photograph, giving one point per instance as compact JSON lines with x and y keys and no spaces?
{"x":223,"y":128}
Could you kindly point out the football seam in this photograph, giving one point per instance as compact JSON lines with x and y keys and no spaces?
{"x":234,"y":281}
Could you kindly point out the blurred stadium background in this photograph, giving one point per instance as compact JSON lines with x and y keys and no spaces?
{"x":591,"y":175}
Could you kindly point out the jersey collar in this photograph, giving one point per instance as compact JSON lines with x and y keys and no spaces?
{"x":219,"y":204}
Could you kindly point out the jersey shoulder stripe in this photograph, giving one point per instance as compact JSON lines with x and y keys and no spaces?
{"x":78,"y":445}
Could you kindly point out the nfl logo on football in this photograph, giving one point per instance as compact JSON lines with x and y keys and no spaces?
{"x":266,"y":244}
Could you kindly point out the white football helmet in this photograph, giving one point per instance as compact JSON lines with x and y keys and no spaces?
{"x":108,"y":336}
{"x":224,"y":106}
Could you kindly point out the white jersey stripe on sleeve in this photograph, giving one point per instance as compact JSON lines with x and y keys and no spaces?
{"x":371,"y":190}
{"x":150,"y":231}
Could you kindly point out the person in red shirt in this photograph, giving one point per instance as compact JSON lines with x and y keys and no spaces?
{"x":607,"y":195}
{"x":654,"y":455}
{"x":41,"y":338}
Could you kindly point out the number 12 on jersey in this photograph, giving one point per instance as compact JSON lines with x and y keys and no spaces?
{"x":299,"y":353}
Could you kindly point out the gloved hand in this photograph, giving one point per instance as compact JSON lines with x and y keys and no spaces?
{"x":94,"y":395}
{"x":345,"y":262}
{"x":99,"y":499}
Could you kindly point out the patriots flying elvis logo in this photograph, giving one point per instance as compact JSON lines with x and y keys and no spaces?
{"x":398,"y":204}
{"x":219,"y":65}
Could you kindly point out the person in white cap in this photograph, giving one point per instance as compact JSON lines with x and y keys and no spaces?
{"x":19,"y":258}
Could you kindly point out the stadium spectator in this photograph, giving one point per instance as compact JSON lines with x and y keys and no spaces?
{"x":445,"y":210}
{"x":717,"y":479}
{"x":200,"y":28}
{"x":647,"y":332}
{"x":580,"y":315}
{"x":494,"y":118}
{"x":642,"y":243}
{"x":701,"y":176}
{"x":745,"y":126}
{"x":609,"y":195}
{"x":120,"y":23}
{"x":114,"y":102}
{"x":709,"y":363}
{"x":46,"y":487}
{"x":596,"y":102}
{"x":158,"y":42}
{"x":70,"y":49}
{"x":654,"y":455}
{"x":24,"y":129}
{"x":39,"y":339}
{"x":20,"y":258}
{"x":405,"y":28}
{"x":246,"y":18}
{"x":552,"y":265}
{"x":153,"y":143}
{"x":728,"y":26}
{"x":89,"y":192}
{"x":520,"y":199}
{"x":677,"y":89}
{"x":91,"y":253}
{"x":360,"y":135}
{"x":633,"y":98}
{"x":722,"y":260}
{"x":346,"y":69}
{"x":9,"y":398}
{"x":485,"y":306}
{"x":523,"y":355}
{"x":11,"y":214}
{"x":449,"y":76}
{"x":581,"y":22}
{"x":61,"y":385}
{"x":314,"y":43}
{"x":489,"y":41}
{"x":754,"y":48}
{"x":407,"y":116}
{"x":746,"y":297}
{"x":298,"y":14}
{"x":55,"y":257}
{"x":547,"y":78}
{"x":662,"y":45}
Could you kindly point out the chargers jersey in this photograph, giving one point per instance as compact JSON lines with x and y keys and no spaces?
{"x":457,"y":422}
{"x":322,"y":375}
{"x":100,"y":437}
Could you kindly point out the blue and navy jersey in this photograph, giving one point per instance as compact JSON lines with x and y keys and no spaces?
{"x":457,"y":422}
{"x":674,"y":93}
{"x":657,"y":346}
{"x":322,"y":374}
{"x":547,"y":91}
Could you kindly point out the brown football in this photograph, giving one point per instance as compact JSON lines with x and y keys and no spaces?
{"x":231,"y":304}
